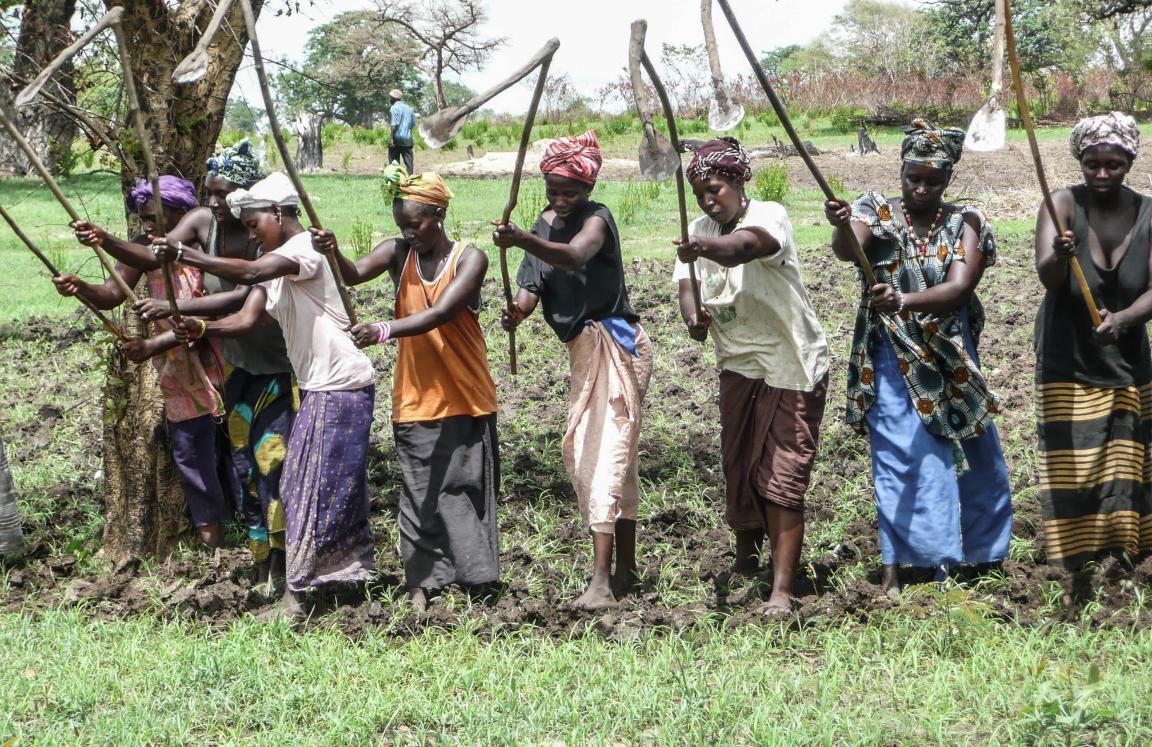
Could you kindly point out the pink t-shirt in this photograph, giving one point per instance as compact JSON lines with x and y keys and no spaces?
{"x":191,"y":379}
{"x":310,"y":313}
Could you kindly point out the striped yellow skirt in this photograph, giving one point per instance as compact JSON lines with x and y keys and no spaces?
{"x":1095,"y":470}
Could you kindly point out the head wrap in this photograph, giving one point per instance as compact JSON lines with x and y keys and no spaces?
{"x":427,"y":188}
{"x":396,"y":93}
{"x":1116,"y":128}
{"x":724,"y":157}
{"x":176,"y":193}
{"x":926,"y":145}
{"x":274,"y":189}
{"x":574,"y":157}
{"x":237,"y":164}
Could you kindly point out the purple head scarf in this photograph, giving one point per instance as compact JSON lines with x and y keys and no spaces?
{"x":176,"y":193}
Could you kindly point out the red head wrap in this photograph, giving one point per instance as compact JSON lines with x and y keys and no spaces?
{"x":577,"y":157}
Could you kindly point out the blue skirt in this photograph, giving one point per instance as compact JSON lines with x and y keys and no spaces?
{"x":927,"y":516}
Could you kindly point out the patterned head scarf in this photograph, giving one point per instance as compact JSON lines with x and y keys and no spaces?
{"x":1116,"y":128}
{"x":237,"y":164}
{"x":176,"y":193}
{"x":427,"y":188}
{"x":926,"y":145}
{"x":274,"y":189}
{"x":722,"y":157}
{"x":574,"y":157}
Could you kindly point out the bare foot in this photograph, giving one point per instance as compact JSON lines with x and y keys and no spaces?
{"x":212,"y":535}
{"x":418,"y":599}
{"x":778,"y":606}
{"x":598,"y":596}
{"x":291,"y":607}
{"x":746,"y":567}
{"x":891,"y":582}
{"x":624,"y":580}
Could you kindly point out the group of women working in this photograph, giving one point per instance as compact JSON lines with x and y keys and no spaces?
{"x":262,"y":322}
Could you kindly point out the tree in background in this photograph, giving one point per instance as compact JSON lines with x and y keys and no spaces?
{"x":448,"y":33}
{"x":144,"y":504}
{"x":44,"y":29}
{"x":350,"y":64}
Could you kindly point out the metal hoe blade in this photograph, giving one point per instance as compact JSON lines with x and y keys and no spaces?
{"x":721,"y":119}
{"x":25,"y":96}
{"x":195,"y":66}
{"x":658,"y":159}
{"x":445,"y":124}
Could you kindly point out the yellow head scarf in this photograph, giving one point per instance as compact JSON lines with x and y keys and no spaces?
{"x":427,"y":188}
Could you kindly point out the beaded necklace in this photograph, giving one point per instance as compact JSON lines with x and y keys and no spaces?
{"x":923,"y":245}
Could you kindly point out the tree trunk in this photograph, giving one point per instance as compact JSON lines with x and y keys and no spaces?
{"x":309,"y":127}
{"x":143,"y":500}
{"x":45,"y":29}
{"x":145,"y":504}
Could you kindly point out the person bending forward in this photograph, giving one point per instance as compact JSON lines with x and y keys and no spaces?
{"x":771,"y":353}
{"x":443,"y":397}
{"x":573,"y":266}
{"x":324,"y":484}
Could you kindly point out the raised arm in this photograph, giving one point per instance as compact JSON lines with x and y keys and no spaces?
{"x":1112,"y":323}
{"x":250,"y":315}
{"x":1052,"y":251}
{"x":963,"y":276}
{"x":130,"y":253}
{"x":266,"y":267}
{"x":571,"y":256}
{"x":105,"y":296}
{"x":369,"y":267}
{"x":737,"y":248}
{"x":839,"y":214}
{"x":462,"y":291}
{"x":215,"y":305}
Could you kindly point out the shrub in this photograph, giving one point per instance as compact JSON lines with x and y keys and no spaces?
{"x":771,"y":184}
{"x":361,"y":238}
{"x":847,"y":119}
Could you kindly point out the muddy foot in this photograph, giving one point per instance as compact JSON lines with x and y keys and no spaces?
{"x":624,"y":582}
{"x":748,"y":567}
{"x":595,"y":598}
{"x":778,"y":607}
{"x":418,"y":599}
{"x":289,"y":608}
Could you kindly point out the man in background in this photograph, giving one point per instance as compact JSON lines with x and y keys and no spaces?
{"x":403,"y":120}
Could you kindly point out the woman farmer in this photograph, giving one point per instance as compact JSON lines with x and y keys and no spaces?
{"x":573,"y":265}
{"x":260,"y":396}
{"x":324,"y":485}
{"x":1094,"y":386}
{"x":190,"y":379}
{"x":443,"y":397}
{"x":771,"y":353}
{"x":914,"y":381}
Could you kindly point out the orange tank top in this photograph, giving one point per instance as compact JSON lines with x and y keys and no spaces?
{"x":443,"y":372}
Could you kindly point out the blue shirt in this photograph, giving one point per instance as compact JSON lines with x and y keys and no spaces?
{"x":403,"y":120}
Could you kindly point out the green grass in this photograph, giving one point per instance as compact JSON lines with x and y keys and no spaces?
{"x":944,"y":680}
{"x":947,"y":668}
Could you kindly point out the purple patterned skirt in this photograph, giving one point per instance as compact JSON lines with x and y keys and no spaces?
{"x":324,"y":489}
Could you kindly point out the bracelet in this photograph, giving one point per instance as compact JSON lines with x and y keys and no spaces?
{"x":203,"y":329}
{"x":900,"y":298}
{"x":383,"y":332}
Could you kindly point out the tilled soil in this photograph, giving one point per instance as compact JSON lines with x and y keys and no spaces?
{"x":685,"y":551}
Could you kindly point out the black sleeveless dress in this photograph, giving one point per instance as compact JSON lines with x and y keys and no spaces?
{"x":1094,"y":407}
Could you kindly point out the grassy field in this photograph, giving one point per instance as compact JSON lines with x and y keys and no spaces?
{"x":166,"y":656}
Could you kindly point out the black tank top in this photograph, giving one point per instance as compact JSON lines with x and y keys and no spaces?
{"x":1066,"y":349}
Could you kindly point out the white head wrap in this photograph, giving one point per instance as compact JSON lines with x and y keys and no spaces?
{"x":274,"y":189}
{"x":1116,"y":129}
